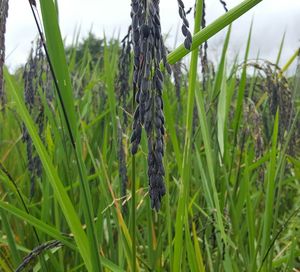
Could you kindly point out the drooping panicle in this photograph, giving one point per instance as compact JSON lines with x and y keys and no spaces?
{"x":124,"y":65}
{"x":3,"y":17}
{"x":34,"y":85}
{"x":177,"y":74}
{"x":223,"y":3}
{"x":36,"y":252}
{"x":136,"y":16}
{"x":185,"y":25}
{"x":203,"y":51}
{"x":29,"y":93}
{"x":28,"y":76}
{"x":254,"y":126}
{"x":149,"y":52}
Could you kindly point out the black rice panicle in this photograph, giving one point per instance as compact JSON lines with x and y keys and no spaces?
{"x":149,"y":51}
{"x":3,"y":17}
{"x":29,"y":94}
{"x":33,"y":72}
{"x":177,"y":75}
{"x":203,"y":51}
{"x":185,"y":25}
{"x":122,"y":84}
{"x":37,"y":252}
{"x":223,"y":3}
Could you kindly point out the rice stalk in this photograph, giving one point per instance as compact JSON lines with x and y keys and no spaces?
{"x":11,"y":179}
{"x":122,"y":164}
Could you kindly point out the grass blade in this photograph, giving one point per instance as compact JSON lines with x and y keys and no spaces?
{"x":58,"y":188}
{"x":212,"y":29}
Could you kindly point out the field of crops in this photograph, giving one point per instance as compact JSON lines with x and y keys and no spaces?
{"x":123,"y":155}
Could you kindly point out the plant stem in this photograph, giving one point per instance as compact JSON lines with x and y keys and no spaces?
{"x":133,"y":190}
{"x":185,"y":170}
{"x":133,"y":215}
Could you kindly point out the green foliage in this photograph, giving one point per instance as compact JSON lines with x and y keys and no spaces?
{"x":232,"y":168}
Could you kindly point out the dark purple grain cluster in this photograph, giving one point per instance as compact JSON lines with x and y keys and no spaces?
{"x":203,"y":51}
{"x":185,"y":26}
{"x":254,"y":126}
{"x":38,"y":251}
{"x":122,"y":86}
{"x":223,"y":3}
{"x":34,"y":85}
{"x":149,"y":51}
{"x":177,"y":74}
{"x":3,"y":16}
{"x":29,"y":94}
{"x":28,"y":77}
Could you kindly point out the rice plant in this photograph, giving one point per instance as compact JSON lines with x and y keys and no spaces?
{"x":123,"y":155}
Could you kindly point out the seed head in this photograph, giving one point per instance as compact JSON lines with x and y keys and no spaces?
{"x":224,"y":5}
{"x":177,"y":74}
{"x":149,"y":51}
{"x":185,"y":25}
{"x":122,"y":84}
{"x":33,"y":82}
{"x":3,"y":17}
{"x":38,"y":251}
{"x":203,"y":52}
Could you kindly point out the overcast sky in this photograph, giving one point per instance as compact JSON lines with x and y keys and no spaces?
{"x":271,"y":19}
